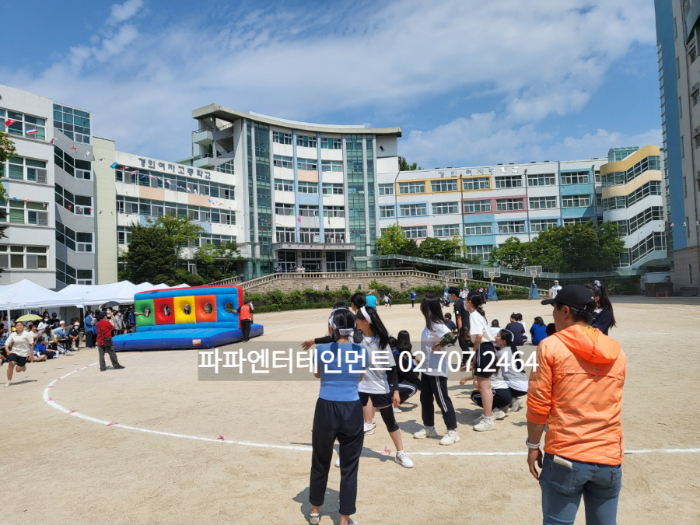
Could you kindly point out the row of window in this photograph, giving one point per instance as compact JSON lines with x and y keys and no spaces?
{"x":78,"y":168}
{"x":652,"y":162}
{"x":486,"y":228}
{"x":484,"y":183}
{"x":310,"y":235}
{"x":20,"y":168}
{"x":306,"y":141}
{"x":23,"y":125}
{"x":156,"y":179}
{"x":653,"y":213}
{"x":73,"y":123}
{"x":625,"y":201}
{"x":76,"y":241}
{"x":69,"y":275}
{"x":77,"y":204}
{"x":655,"y":241}
{"x":308,"y":210}
{"x":149,"y":208}
{"x":20,"y":212}
{"x":15,"y":257}
{"x":124,"y":237}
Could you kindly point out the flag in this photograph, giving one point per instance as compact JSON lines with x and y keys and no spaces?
{"x":87,"y":154}
{"x":100,"y":160}
{"x":9,"y":122}
{"x":73,"y":147}
{"x":113,"y":165}
{"x":125,"y":167}
{"x":100,"y":212}
{"x":299,"y":218}
{"x":32,"y":131}
{"x":70,"y":206}
{"x":52,"y":140}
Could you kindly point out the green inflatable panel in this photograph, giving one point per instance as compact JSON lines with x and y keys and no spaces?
{"x":145,"y":306}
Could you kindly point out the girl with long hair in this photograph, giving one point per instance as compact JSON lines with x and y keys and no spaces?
{"x":484,"y":360}
{"x":379,"y":384}
{"x":434,"y":376}
{"x":538,"y":331}
{"x":603,"y":316}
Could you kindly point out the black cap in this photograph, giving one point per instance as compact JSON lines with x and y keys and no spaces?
{"x":574,"y":295}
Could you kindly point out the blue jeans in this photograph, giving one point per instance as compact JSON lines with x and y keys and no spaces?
{"x":562,"y":488}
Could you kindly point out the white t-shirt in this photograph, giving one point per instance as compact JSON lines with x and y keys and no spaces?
{"x":376,"y":381}
{"x":479,"y":326}
{"x":497,"y":381}
{"x":494,"y":331}
{"x":514,"y":379}
{"x":21,"y":343}
{"x":555,"y":290}
{"x":428,"y":339}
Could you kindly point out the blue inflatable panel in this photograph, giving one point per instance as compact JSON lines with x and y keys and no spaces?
{"x":182,"y":339}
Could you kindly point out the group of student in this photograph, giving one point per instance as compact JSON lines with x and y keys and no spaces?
{"x":348,"y":400}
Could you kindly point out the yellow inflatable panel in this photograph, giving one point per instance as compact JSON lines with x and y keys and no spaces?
{"x":184,"y":309}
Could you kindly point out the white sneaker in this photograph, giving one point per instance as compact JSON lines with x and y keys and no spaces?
{"x":369,"y":428}
{"x":397,"y":410}
{"x":403,"y":459}
{"x":9,"y":383}
{"x":426,"y":432}
{"x":479,"y":419}
{"x":498,"y":413}
{"x":516,"y":404}
{"x":485,"y":425}
{"x":449,"y":438}
{"x":337,"y":462}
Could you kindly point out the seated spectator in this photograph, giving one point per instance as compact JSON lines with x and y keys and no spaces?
{"x":551,"y":329}
{"x":60,"y":337}
{"x":74,"y":336}
{"x":495,"y":327}
{"x":538,"y":331}
{"x":449,"y":323}
{"x":516,"y":329}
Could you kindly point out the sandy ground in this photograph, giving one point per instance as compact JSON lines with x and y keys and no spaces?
{"x":58,"y":468}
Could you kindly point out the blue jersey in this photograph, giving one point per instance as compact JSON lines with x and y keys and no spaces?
{"x":341,"y":365}
{"x":413,"y":296}
{"x":371,"y":300}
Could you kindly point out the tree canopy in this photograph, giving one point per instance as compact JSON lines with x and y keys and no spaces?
{"x":393,"y":241}
{"x":405,"y":166}
{"x":151,"y":256}
{"x":7,"y":150}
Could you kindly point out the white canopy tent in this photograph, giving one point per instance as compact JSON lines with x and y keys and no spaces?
{"x":122,"y":292}
{"x":26,"y":294}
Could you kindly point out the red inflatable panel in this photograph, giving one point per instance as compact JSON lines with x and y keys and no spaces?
{"x":205,"y":308}
{"x":164,"y":306}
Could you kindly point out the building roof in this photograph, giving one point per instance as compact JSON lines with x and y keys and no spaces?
{"x":224,"y":113}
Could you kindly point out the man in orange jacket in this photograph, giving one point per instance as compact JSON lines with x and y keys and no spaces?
{"x":576,"y":389}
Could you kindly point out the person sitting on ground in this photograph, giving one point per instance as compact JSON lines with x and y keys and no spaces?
{"x":450,"y":323}
{"x":46,"y":321}
{"x":495,"y":327}
{"x":538,"y":331}
{"x":55,"y":321}
{"x":43,"y":344}
{"x":520,"y":320}
{"x":516,"y":329}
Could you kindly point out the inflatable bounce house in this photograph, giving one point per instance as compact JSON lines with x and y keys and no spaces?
{"x":197,"y":317}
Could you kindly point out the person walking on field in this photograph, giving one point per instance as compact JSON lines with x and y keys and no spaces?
{"x":245,"y":314}
{"x":104,"y":343}
{"x":413,"y":298}
{"x":21,"y":342}
{"x":554,"y":290}
{"x":576,"y":389}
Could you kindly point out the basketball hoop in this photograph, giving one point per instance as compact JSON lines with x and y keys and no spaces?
{"x":533,"y":271}
{"x":494,"y":272}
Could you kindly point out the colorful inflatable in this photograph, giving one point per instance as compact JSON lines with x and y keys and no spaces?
{"x":197,"y":317}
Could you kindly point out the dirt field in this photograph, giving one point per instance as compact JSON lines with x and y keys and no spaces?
{"x":58,"y":468}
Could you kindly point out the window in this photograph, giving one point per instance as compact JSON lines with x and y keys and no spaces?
{"x":336,"y":261}
{"x":511,"y":227}
{"x":25,"y":126}
{"x":509,"y":204}
{"x":577,"y":177}
{"x":307,"y":164}
{"x":78,"y":242}
{"x":477,"y":206}
{"x":541,"y":203}
{"x":541,"y":225}
{"x":309,"y":235}
{"x":480,"y":252}
{"x":386,"y":212}
{"x":181,"y":184}
{"x":21,"y":212}
{"x":332,"y":189}
{"x":597,"y":177}
{"x":124,"y":235}
{"x":334,"y":211}
{"x":509,"y":181}
{"x":577,"y":220}
{"x":226,"y":167}
{"x":478,"y":228}
{"x":652,"y":162}
{"x":444,"y":185}
{"x":655,"y":241}
{"x":20,"y":168}
{"x":412,"y":210}
{"x":411,"y":187}
{"x":285,"y":234}
{"x":281,"y":138}
{"x":214,"y":239}
{"x":284,"y":209}
{"x":282,"y":162}
{"x":575,"y":201}
{"x":332,"y":235}
{"x":541,"y":179}
{"x":332,"y":165}
{"x":415,"y":232}
{"x":284,"y":185}
{"x":327,"y":143}
{"x":444,"y":208}
{"x":386,"y":189}
{"x":306,"y":141}
{"x":653,"y":213}
{"x":73,"y":123}
{"x":308,"y":187}
{"x":446,"y":230}
{"x":69,"y":275}
{"x":481,"y":183}
{"x":307,"y":210}
{"x":78,"y":168}
{"x":23,"y":257}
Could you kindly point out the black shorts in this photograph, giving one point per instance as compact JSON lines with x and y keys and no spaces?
{"x":21,"y":361}
{"x":378,"y":400}
{"x":485,"y":360}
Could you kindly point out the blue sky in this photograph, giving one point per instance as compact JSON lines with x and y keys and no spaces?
{"x":470,"y":82}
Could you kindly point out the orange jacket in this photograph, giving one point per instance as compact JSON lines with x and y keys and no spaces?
{"x":577,"y":390}
{"x":244,"y":312}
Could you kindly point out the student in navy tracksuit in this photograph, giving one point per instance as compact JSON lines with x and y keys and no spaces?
{"x":338,"y":415}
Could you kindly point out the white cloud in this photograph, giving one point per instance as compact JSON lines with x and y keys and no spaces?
{"x":540,"y":57}
{"x":123,"y":12}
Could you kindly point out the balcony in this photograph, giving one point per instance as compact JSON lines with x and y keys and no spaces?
{"x":203,"y":161}
{"x":203,"y":137}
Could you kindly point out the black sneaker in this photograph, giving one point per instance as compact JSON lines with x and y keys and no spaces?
{"x":118,"y":367}
{"x":103,"y":369}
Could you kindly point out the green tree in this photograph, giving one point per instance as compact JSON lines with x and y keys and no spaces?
{"x":178,"y":228}
{"x":405,"y":166}
{"x":216,"y":262}
{"x":511,"y":254}
{"x":151,"y":256}
{"x":7,"y":150}
{"x":434,"y":248}
{"x":393,"y":241}
{"x":610,"y":246}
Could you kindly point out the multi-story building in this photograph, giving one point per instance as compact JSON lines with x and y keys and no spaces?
{"x":678,"y":39}
{"x":307,"y":191}
{"x":486,"y":205}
